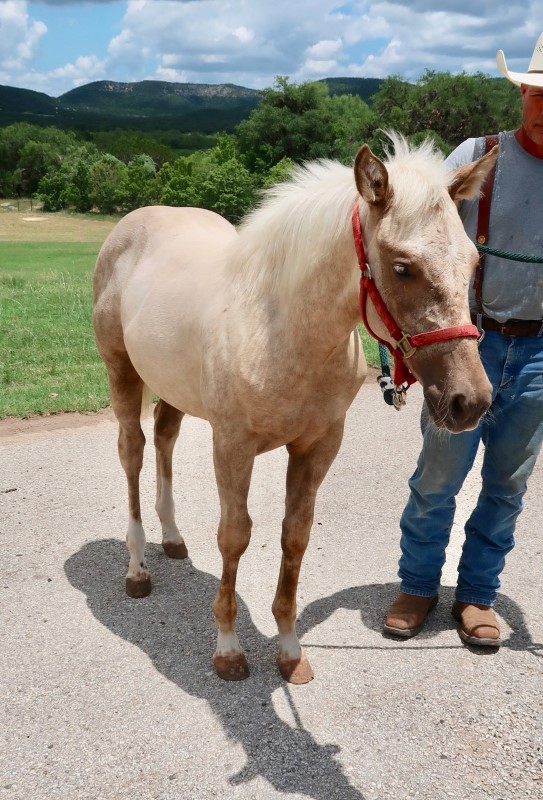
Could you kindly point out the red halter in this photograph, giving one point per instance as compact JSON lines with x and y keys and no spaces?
{"x":406,"y":345}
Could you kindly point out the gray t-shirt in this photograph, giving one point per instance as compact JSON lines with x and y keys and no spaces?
{"x":511,"y":289}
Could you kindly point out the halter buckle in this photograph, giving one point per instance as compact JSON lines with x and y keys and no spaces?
{"x":405,"y":346}
{"x":480,"y":328}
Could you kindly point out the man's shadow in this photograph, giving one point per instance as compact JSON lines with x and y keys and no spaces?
{"x":174,"y":626}
{"x":371,"y":602}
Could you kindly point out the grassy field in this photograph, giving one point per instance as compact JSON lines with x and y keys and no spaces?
{"x":48,"y":357}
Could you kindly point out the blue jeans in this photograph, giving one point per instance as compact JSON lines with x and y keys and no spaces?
{"x":511,"y":431}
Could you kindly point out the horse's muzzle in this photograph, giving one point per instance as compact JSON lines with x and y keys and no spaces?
{"x":458,"y":410}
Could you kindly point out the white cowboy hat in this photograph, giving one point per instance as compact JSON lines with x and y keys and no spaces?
{"x":534,"y":76}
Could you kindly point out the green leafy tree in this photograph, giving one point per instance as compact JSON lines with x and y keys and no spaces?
{"x":216,"y":179}
{"x":302,"y":122}
{"x":450,"y":107}
{"x":68,"y":184}
{"x":139,"y":185}
{"x":35,"y":160}
{"x":228,"y":188}
{"x":179,"y":186}
{"x":27,"y":153}
{"x":126,"y":145}
{"x":280,"y":172}
{"x":51,"y":191}
{"x":76,"y":169}
{"x":105,"y":180}
{"x":391,"y":104}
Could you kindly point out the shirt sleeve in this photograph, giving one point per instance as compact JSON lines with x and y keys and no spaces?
{"x":464,"y":154}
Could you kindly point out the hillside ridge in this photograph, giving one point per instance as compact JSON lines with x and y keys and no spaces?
{"x":144,"y":104}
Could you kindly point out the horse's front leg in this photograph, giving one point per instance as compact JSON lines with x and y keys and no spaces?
{"x":233,"y":460}
{"x":306,"y":471}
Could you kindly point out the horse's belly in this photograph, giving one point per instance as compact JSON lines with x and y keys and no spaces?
{"x":173,"y":376}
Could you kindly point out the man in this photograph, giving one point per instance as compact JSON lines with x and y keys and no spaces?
{"x":507,"y":304}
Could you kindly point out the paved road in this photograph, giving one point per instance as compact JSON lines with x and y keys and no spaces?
{"x":107,"y":697}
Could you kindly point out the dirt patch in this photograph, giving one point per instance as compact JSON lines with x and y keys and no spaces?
{"x":15,"y":428}
{"x":21,"y":227}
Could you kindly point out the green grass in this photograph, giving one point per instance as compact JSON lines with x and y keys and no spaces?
{"x":48,"y":357}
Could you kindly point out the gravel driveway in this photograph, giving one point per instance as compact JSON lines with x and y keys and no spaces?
{"x":107,"y":697}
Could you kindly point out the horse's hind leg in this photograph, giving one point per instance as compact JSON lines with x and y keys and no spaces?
{"x":306,"y":471}
{"x":233,"y":460}
{"x":167,"y":424}
{"x":126,"y":391}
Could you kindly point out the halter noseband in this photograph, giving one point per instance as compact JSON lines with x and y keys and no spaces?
{"x":405,"y":344}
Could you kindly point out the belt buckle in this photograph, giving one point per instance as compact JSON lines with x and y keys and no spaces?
{"x":503,"y":329}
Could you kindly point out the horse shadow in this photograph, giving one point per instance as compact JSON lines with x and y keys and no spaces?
{"x":174,"y":626}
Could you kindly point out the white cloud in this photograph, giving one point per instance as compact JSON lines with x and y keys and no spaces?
{"x":19,"y":35}
{"x":243,"y":34}
{"x":324,"y":49}
{"x":250,"y":41}
{"x":84,"y":70}
{"x":320,"y":67}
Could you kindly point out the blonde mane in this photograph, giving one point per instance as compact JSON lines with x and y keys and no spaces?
{"x":419,"y":177}
{"x":299,"y":222}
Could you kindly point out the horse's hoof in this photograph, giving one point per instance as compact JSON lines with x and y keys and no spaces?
{"x":175,"y":550}
{"x":295,"y":670}
{"x":138,"y":587}
{"x":231,"y":668}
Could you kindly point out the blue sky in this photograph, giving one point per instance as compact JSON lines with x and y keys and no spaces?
{"x":54,"y":45}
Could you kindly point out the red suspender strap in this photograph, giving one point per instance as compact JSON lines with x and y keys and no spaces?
{"x":483,"y":224}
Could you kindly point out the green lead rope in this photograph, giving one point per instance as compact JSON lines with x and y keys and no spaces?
{"x":509,"y":256}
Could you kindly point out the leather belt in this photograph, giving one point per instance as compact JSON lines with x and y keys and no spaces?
{"x":513,"y":327}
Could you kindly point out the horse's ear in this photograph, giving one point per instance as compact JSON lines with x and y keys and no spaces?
{"x":468,"y":180}
{"x":371,"y":177}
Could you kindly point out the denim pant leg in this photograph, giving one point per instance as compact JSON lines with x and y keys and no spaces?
{"x":512,"y":437}
{"x":426,"y":522}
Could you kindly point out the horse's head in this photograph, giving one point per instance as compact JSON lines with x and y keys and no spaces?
{"x":422,"y":262}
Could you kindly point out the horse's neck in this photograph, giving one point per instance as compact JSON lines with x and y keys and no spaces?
{"x":323,"y":310}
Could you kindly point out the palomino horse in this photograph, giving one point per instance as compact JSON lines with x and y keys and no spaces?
{"x":255,"y":330}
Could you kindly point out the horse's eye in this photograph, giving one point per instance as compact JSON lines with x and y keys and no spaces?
{"x":401,"y":269}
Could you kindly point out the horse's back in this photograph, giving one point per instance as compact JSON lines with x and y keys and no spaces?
{"x":166,"y":237}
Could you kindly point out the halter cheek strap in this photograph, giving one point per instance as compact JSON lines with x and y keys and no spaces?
{"x":405,"y":344}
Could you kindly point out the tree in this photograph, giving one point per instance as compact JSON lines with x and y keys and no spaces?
{"x":302,"y":122}
{"x":105,"y":179}
{"x":280,"y":172}
{"x":138,"y":185}
{"x":453,"y":107}
{"x":215,"y":179}
{"x":67,"y":184}
{"x":27,"y":153}
{"x":126,"y":145}
{"x":179,"y":187}
{"x":228,"y":188}
{"x":391,"y":104}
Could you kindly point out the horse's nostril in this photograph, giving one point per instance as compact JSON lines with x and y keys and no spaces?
{"x":466,"y":409}
{"x":460,"y":405}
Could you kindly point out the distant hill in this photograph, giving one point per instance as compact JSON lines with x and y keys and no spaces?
{"x":150,"y":105}
{"x":365,"y":88}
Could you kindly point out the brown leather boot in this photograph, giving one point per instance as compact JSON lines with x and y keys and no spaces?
{"x":478,"y":624}
{"x":407,"y":614}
